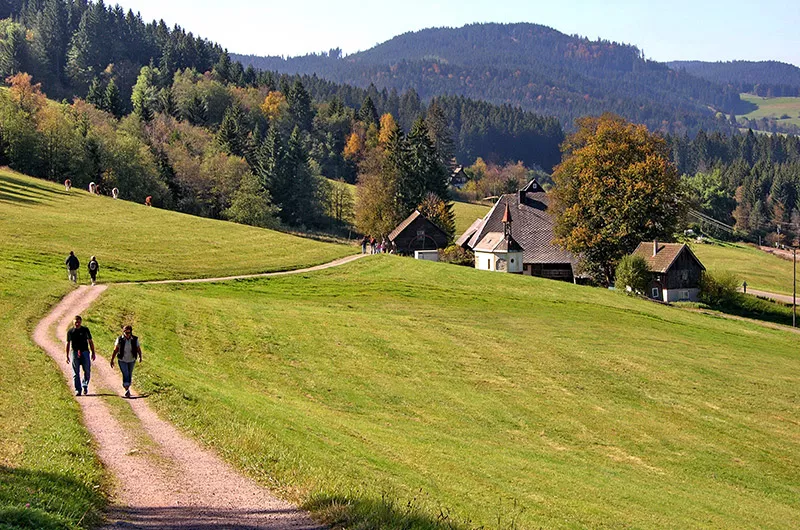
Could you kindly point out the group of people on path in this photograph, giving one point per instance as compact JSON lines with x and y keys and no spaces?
{"x":73,"y":266}
{"x":375,"y":247}
{"x":81,"y":353}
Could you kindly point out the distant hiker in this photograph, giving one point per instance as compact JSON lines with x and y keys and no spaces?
{"x":126,"y":348}
{"x":384,"y":246}
{"x":80,"y":338}
{"x":93,"y":268}
{"x":148,"y":201}
{"x":744,"y":287}
{"x":364,"y":243}
{"x":92,"y":188}
{"x":72,"y":266}
{"x":115,"y":193}
{"x":373,"y":244}
{"x":394,"y":248}
{"x":67,"y":184}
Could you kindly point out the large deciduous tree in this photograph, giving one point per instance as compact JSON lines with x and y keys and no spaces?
{"x":614,"y":188}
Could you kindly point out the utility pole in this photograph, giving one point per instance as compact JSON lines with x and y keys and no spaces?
{"x":794,"y":287}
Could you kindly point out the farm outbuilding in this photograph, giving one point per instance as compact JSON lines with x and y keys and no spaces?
{"x":675,"y":271}
{"x":417,"y":232}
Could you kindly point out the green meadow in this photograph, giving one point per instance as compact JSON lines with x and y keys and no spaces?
{"x":759,"y":269}
{"x":773,"y":108}
{"x":49,"y":475}
{"x":392,"y":393}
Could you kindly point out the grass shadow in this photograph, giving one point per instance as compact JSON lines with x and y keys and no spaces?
{"x":14,"y":197}
{"x":45,"y":500}
{"x":343,"y":511}
{"x":27,"y":184}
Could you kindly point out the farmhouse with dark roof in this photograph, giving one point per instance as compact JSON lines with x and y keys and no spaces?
{"x":417,"y":232}
{"x":675,"y":271}
{"x":532,"y":231}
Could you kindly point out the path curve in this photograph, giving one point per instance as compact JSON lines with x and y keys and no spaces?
{"x":164,"y":479}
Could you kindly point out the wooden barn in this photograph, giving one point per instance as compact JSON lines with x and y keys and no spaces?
{"x":675,"y":270}
{"x":417,"y":232}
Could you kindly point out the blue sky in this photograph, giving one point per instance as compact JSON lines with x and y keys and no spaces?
{"x":708,"y":30}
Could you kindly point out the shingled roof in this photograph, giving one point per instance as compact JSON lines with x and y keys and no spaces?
{"x":665,"y":255}
{"x":532,"y":227}
{"x":403,"y":225}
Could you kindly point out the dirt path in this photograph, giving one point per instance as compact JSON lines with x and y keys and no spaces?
{"x":164,"y":480}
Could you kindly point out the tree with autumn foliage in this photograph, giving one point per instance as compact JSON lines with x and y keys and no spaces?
{"x":614,"y":188}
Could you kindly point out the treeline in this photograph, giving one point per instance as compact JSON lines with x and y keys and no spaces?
{"x":747,"y":180}
{"x":529,"y":65}
{"x":763,"y":78}
{"x":89,"y":50}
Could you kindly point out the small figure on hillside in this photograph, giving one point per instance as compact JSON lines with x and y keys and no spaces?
{"x":384,"y":246}
{"x":92,"y":188}
{"x":148,"y":201}
{"x":372,"y":244}
{"x":73,"y":265}
{"x":115,"y":193}
{"x":93,"y":268}
{"x":127,"y":348}
{"x":744,"y":287}
{"x":80,"y":338}
{"x":67,"y":185}
{"x":394,"y":248}
{"x":364,"y":243}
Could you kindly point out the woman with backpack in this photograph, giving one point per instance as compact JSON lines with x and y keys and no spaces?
{"x":127,"y":348}
{"x":93,"y":268}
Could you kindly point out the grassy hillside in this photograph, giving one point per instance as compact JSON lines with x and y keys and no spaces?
{"x":760,"y":270}
{"x":49,"y":476}
{"x":773,"y":108}
{"x":399,"y":393}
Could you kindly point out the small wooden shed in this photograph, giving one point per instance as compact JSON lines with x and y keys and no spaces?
{"x":417,"y":232}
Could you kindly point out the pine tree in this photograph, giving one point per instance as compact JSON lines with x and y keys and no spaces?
{"x":440,"y":134}
{"x":300,"y":106}
{"x":233,"y":131}
{"x":96,"y":94}
{"x":368,"y":113}
{"x":111,"y":99}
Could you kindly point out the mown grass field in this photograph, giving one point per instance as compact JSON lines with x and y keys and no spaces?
{"x":49,"y":476}
{"x":392,"y":393}
{"x":759,"y":269}
{"x":773,"y":108}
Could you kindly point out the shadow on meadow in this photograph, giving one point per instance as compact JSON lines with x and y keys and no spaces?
{"x":47,"y":501}
{"x":359,"y":513}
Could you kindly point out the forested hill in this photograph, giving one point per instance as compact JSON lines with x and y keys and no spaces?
{"x":529,"y":65}
{"x":764,"y":78}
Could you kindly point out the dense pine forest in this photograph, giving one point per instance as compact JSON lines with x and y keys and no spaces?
{"x":763,"y":78}
{"x":159,"y":112}
{"x":533,"y":66}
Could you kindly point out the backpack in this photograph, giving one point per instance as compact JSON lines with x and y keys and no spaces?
{"x":92,"y":265}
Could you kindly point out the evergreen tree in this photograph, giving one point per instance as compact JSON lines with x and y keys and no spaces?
{"x":233,"y":131}
{"x":96,"y":94}
{"x":424,"y":173}
{"x":111,"y":99}
{"x":440,"y":134}
{"x":144,"y":93}
{"x":300,"y":106}
{"x":368,"y":113}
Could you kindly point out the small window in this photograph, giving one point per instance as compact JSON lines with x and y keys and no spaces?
{"x":512,"y":260}
{"x":685,"y":275}
{"x":684,"y":295}
{"x":489,"y":263}
{"x":655,"y":293}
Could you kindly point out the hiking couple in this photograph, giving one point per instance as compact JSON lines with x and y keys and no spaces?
{"x":73,"y":264}
{"x":80,"y":354}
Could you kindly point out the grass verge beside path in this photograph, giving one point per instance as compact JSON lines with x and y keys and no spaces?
{"x":759,"y":269}
{"x":392,"y":392}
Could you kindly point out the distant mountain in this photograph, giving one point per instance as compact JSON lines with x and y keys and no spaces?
{"x":765,"y":78}
{"x":529,"y":65}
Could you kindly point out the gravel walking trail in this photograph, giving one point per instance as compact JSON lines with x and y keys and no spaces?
{"x":163,"y":479}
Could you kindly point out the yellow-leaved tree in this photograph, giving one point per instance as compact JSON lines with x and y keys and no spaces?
{"x":614,"y":188}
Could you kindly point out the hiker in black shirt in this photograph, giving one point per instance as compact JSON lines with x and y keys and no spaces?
{"x":80,"y":338}
{"x":93,"y":268}
{"x":72,"y":266}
